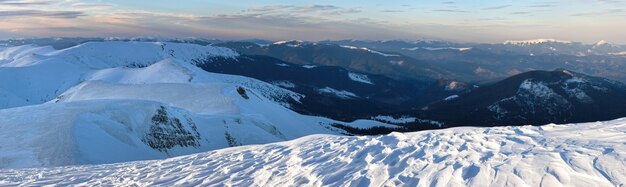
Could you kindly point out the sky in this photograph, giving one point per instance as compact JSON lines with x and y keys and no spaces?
{"x":489,"y":21}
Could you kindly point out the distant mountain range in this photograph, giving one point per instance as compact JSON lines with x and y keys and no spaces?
{"x":423,"y":59}
{"x":400,"y":82}
{"x":352,"y":58}
{"x":534,"y":98}
{"x":92,"y":101}
{"x":490,"y":62}
{"x":335,"y":91}
{"x":440,"y":59}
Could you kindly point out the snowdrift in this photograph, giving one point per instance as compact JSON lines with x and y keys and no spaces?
{"x":590,"y":154}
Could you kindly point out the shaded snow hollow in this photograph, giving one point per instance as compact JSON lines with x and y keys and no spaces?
{"x":590,"y":154}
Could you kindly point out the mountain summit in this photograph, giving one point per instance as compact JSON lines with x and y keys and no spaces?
{"x":536,"y":97}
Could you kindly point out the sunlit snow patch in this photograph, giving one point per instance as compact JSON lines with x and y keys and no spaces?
{"x":360,"y":78}
{"x":369,"y":50}
{"x":308,"y":66}
{"x":451,"y":97}
{"x":339,"y":93}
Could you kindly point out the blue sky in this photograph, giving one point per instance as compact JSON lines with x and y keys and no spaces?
{"x":468,"y":21}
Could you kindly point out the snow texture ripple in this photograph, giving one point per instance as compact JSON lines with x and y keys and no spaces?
{"x":590,"y":154}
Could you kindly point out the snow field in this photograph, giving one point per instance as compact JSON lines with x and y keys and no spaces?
{"x":590,"y":154}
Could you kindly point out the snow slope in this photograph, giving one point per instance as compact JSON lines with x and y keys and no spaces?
{"x":590,"y":154}
{"x":96,"y":108}
{"x":34,"y":75}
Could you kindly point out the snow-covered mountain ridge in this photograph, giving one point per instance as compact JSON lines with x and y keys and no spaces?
{"x":535,"y":41}
{"x":36,"y":74}
{"x":589,"y":154}
{"x":109,"y":102}
{"x":98,"y":55}
{"x":536,"y":97}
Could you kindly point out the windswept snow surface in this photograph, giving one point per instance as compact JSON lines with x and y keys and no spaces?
{"x":590,"y":154}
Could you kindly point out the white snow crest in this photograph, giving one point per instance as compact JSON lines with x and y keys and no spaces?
{"x":452,"y":97}
{"x":309,"y":66}
{"x":120,"y":53}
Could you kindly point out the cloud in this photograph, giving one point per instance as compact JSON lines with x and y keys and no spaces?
{"x":315,"y":8}
{"x":496,"y":7}
{"x":334,"y":10}
{"x":493,"y":19}
{"x":292,"y":21}
{"x":612,"y":1}
{"x":25,"y":3}
{"x":520,"y":13}
{"x":277,"y":22}
{"x":92,"y":5}
{"x":612,"y":11}
{"x":450,"y":10}
{"x":268,"y":8}
{"x":345,"y":11}
{"x":41,"y":13}
{"x":543,"y":5}
{"x":300,"y":9}
{"x":392,"y":11}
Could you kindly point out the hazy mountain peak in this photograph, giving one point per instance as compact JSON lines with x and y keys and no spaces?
{"x":602,"y":42}
{"x":535,"y":41}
